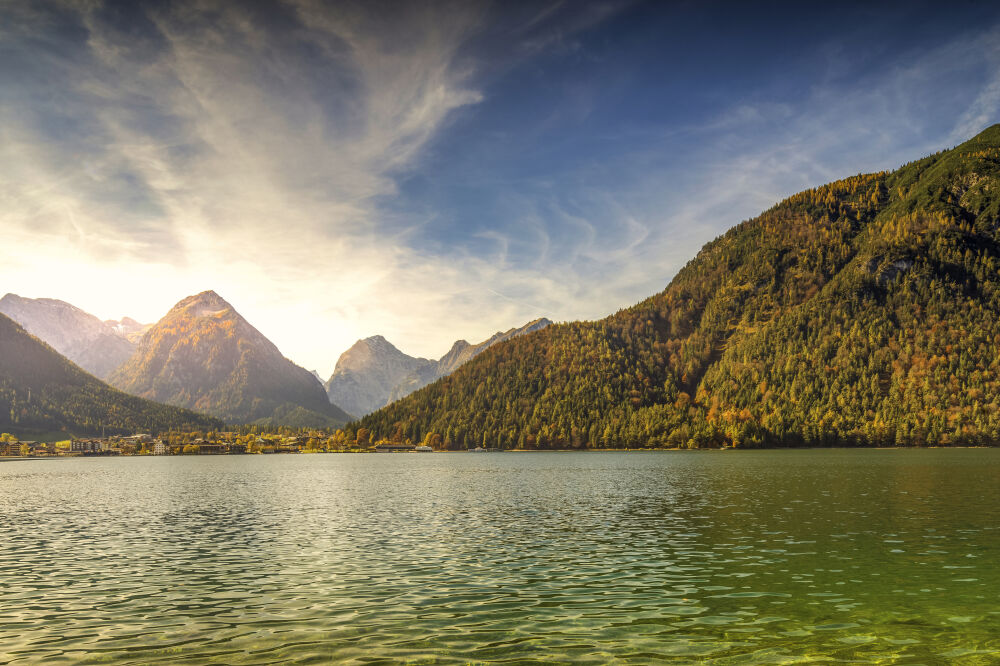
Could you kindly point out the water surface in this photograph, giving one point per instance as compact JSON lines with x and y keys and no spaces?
{"x":868,"y":556}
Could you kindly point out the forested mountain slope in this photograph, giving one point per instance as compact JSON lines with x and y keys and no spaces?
{"x":865,"y":311}
{"x":42,"y":391}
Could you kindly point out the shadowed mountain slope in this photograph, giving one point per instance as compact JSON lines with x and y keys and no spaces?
{"x":42,"y":391}
{"x":81,"y":337}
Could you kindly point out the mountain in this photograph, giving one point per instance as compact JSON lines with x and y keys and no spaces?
{"x":77,"y":335}
{"x":460,"y":353}
{"x":373,"y":372}
{"x":203,"y":355}
{"x":41,"y":391}
{"x":129,"y":328}
{"x":862,"y":312}
{"x":367,"y":373}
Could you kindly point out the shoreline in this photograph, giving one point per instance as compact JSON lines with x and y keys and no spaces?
{"x":647,"y":450}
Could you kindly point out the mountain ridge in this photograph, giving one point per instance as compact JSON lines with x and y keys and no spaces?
{"x":78,"y":335}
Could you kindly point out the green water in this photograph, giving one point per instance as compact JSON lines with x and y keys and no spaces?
{"x":703,"y":557}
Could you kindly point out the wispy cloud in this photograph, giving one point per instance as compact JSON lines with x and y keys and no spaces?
{"x":614,"y":227}
{"x":149,"y":151}
{"x":234,"y":148}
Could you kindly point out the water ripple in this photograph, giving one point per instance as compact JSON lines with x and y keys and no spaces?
{"x":718,"y":558}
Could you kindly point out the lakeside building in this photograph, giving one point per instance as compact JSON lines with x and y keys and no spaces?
{"x":160,"y":448}
{"x":42,"y":448}
{"x":86,"y":446}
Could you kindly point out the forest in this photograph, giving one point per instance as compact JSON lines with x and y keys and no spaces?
{"x":865,"y":312}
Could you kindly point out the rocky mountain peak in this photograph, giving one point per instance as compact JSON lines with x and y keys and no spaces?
{"x":370,"y":354}
{"x":204,"y":355}
{"x":206,"y":304}
{"x":367,"y":373}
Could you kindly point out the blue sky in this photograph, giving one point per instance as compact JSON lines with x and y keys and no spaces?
{"x":433,"y":171}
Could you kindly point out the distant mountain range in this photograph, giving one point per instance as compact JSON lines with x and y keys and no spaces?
{"x":129,"y":328}
{"x":42,"y":392}
{"x":862,"y":312}
{"x":96,"y":346}
{"x":204,"y":356}
{"x":373,"y":372}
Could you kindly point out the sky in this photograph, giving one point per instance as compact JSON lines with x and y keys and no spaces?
{"x":433,"y":171}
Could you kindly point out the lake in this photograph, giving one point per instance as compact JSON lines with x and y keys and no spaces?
{"x":736,"y":557}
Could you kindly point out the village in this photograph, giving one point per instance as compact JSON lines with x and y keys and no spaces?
{"x":221,"y":443}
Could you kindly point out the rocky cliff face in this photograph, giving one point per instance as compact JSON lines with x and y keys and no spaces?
{"x":79,"y":336}
{"x":205,"y":356}
{"x":373,"y":372}
{"x":367,"y":373}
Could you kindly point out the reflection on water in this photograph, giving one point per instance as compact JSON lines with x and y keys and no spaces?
{"x":718,"y":557}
